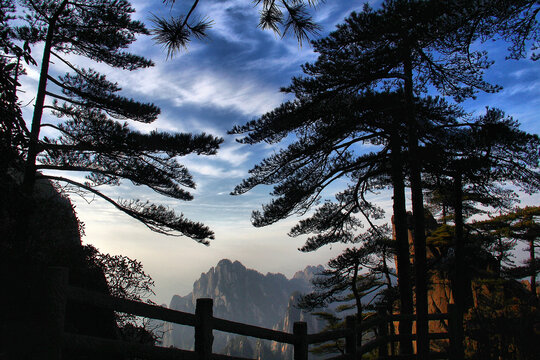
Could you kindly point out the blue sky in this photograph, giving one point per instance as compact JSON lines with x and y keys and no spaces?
{"x":228,"y":79}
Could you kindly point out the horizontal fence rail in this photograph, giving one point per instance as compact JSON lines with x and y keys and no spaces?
{"x":129,"y":306}
{"x":327,"y":336}
{"x":59,"y":292}
{"x":251,"y":330}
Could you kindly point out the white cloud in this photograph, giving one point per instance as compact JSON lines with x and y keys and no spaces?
{"x":531,"y":87}
{"x":212,"y":170}
{"x":245,"y":95}
{"x":292,"y":59}
{"x":523,"y":73}
{"x":234,"y":154}
{"x":163,"y":123}
{"x":239,"y":92}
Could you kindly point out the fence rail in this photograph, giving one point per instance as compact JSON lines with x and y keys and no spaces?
{"x":59,"y":292}
{"x":137,"y":308}
{"x":252,"y":330}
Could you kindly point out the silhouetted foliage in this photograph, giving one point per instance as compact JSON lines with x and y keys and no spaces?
{"x":405,"y":46}
{"x":503,"y":325}
{"x":352,"y":276}
{"x":281,"y":17}
{"x":11,"y":58}
{"x":333,"y":322}
{"x":126,"y":279}
{"x":93,"y":140}
{"x":359,"y":271}
{"x":514,"y":21}
{"x":468,"y":165}
{"x":501,"y":234}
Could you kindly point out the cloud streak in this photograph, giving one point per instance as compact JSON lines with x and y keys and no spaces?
{"x":206,"y":88}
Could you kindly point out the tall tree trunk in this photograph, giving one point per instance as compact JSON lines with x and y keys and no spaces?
{"x":389,"y":304}
{"x":460,"y":273}
{"x":359,"y":308}
{"x":26,"y":208}
{"x":33,"y":149}
{"x":532,"y":261}
{"x":420,"y":263}
{"x":402,"y":241}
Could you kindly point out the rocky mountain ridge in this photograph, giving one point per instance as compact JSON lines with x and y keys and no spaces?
{"x":247,"y":296}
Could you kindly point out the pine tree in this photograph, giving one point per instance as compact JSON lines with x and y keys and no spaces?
{"x":404,"y":45}
{"x":468,"y":164}
{"x":95,"y":138}
{"x":330,"y":128}
{"x":356,"y":273}
{"x":12,"y":57}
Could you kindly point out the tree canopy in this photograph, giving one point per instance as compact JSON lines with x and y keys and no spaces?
{"x":366,"y":87}
{"x":93,"y":136}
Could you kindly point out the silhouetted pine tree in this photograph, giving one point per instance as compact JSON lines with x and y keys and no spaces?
{"x":356,"y":273}
{"x":330,"y":128}
{"x":467,"y":165}
{"x":405,"y":45}
{"x":93,"y":140}
{"x":12,"y":57}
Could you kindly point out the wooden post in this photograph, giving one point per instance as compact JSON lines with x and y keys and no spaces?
{"x":383,"y":332}
{"x":350,"y":339}
{"x":455,"y":329}
{"x":203,"y":329}
{"x":300,"y":340}
{"x":56,"y":282}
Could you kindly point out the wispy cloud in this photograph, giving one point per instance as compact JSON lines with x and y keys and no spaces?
{"x":234,"y":154}
{"x":523,"y":73}
{"x":212,"y":170}
{"x":245,"y":95}
{"x":203,"y":87}
{"x":523,"y":88}
{"x":230,"y":18}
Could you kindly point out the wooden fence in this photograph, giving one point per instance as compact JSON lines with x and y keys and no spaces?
{"x":59,"y":292}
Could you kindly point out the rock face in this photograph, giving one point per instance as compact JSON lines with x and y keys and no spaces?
{"x":246,"y":296}
{"x":292,"y":315}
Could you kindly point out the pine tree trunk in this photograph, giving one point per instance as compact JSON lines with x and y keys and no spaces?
{"x":460,"y":273}
{"x":389,"y":307}
{"x":359,"y":308}
{"x":33,"y":148}
{"x":532,"y":261}
{"x":420,"y":263}
{"x":402,"y":240}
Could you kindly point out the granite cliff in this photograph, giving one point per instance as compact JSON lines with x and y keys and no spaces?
{"x":246,"y":296}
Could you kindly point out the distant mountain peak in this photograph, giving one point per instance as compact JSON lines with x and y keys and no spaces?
{"x":243,"y":295}
{"x":309,"y":272}
{"x":228,"y":262}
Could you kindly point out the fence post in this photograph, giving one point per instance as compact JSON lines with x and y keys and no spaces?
{"x":350,"y":339}
{"x":203,"y":329}
{"x":455,"y":335}
{"x":383,"y":332}
{"x":300,"y":340}
{"x":56,"y":282}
